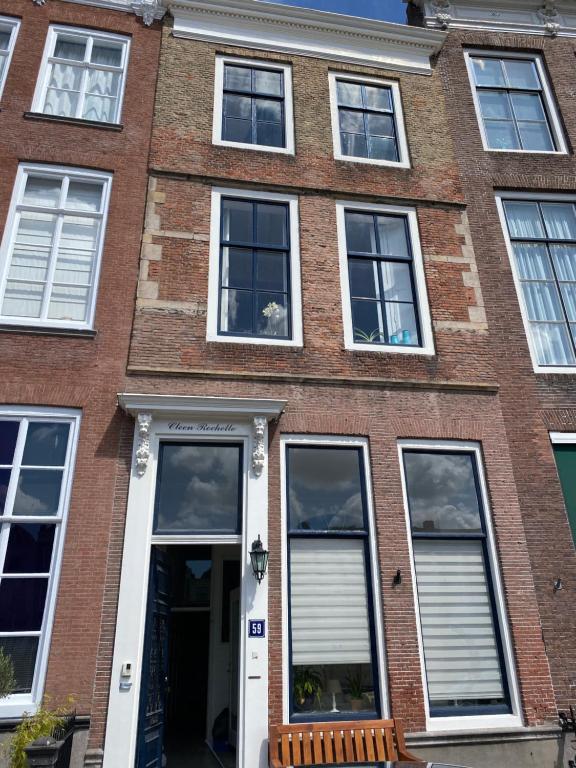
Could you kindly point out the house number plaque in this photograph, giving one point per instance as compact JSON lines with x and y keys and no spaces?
{"x":256,"y":628}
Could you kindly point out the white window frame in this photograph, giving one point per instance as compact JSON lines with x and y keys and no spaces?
{"x":402,"y":143}
{"x":563,"y":438}
{"x":214,"y":269}
{"x":92,"y":35}
{"x":380,"y":660}
{"x":7,"y":244}
{"x":12,"y":25}
{"x":553,"y":115}
{"x":427,"y":347}
{"x":286,"y":69}
{"x":535,"y":197}
{"x":466,"y":722}
{"x":16,"y":704}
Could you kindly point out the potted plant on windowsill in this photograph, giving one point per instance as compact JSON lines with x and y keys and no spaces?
{"x":307,"y":687}
{"x":43,"y":738}
{"x":356,"y":691}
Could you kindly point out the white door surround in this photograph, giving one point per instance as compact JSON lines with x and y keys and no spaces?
{"x":183,"y":417}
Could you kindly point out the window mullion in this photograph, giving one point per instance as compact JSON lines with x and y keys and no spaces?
{"x":6,"y":520}
{"x":53,"y":255}
{"x":382,"y":300}
{"x":561,"y":298}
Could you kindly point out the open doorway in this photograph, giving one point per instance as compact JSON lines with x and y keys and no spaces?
{"x":189,"y":693}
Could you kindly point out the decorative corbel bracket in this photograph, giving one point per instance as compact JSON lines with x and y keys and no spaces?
{"x":143,"y":450}
{"x":549,"y":15}
{"x":442,"y":10}
{"x":149,"y":10}
{"x":258,"y":450}
{"x":39,"y":2}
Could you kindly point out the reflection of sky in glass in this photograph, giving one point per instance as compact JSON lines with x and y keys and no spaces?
{"x":442,"y":492}
{"x":198,"y":487}
{"x":324,"y":489}
{"x":385,"y":10}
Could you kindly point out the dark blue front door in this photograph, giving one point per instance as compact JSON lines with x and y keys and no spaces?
{"x":154,"y":665}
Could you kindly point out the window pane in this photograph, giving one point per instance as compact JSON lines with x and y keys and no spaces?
{"x":237,"y":267}
{"x":560,"y":220}
{"x":267,"y":81}
{"x":68,"y":303}
{"x":392,"y":235}
{"x":84,"y":196}
{"x":198,"y":488}
{"x":521,"y":74}
{"x":46,"y":444}
{"x":501,"y":135}
{"x":237,"y":311}
{"x":349,"y":94}
{"x":106,"y":53}
{"x":565,"y":456}
{"x":237,"y":78}
{"x":367,"y":322}
{"x":325,"y":489}
{"x":8,"y":435}
{"x":552,"y":344}
{"x":360,"y":235}
{"x":402,"y":326}
{"x":270,"y":134}
{"x":382,"y":149}
{"x":272,"y":314}
{"x":268,"y":110}
{"x":524,"y":220}
{"x":237,"y":224}
{"x":32,"y":249}
{"x":42,"y":192}
{"x":100,"y":108}
{"x":396,"y":281}
{"x":488,"y":71}
{"x":354,"y":145}
{"x":22,"y":652}
{"x":61,"y":103}
{"x":380,"y":125}
{"x":564,"y":260}
{"x":569,"y":298}
{"x":21,"y":300}
{"x":271,"y":224}
{"x":458,"y":633}
{"x":352,"y":685}
{"x":22,"y":604}
{"x":4,"y":44}
{"x":352,"y":122}
{"x":533,"y":261}
{"x":70,"y":49}
{"x":542,"y":301}
{"x":29,"y":549}
{"x":535,"y":137}
{"x":38,"y":492}
{"x":378,"y":98}
{"x":495,"y":104}
{"x":237,"y":106}
{"x":271,"y":271}
{"x":442,"y":493}
{"x":4,"y":481}
{"x":528,"y":106}
{"x":237,"y":130}
{"x":363,"y":278}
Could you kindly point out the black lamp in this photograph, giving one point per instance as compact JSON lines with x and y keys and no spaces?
{"x":259,"y":559}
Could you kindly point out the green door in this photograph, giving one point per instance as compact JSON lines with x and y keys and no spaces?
{"x":566,"y":462}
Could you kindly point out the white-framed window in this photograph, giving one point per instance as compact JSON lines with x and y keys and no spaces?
{"x":51,"y":251}
{"x":8,"y":33}
{"x":514,"y":103}
{"x":540,"y":234}
{"x":254,"y":293}
{"x":253,"y":105}
{"x":465,"y":645}
{"x":367,"y":120}
{"x":384,"y":298}
{"x":334,"y":655}
{"x":37,"y":452}
{"x":83,"y":75}
{"x":564,"y":446}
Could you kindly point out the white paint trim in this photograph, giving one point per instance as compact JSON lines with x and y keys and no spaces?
{"x":214,"y":269}
{"x":552,"y":114}
{"x":329,"y":440}
{"x":473,"y":722}
{"x":402,"y":144}
{"x":166,"y":405}
{"x":12,"y":25}
{"x":563,"y":438}
{"x":17,"y":704}
{"x":427,"y":347}
{"x":89,"y":35}
{"x":122,"y":723}
{"x":307,"y":32}
{"x":536,"y":197}
{"x":286,"y":70}
{"x":24,"y":170}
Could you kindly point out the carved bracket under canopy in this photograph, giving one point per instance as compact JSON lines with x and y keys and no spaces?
{"x":143,"y":450}
{"x":258,"y":450}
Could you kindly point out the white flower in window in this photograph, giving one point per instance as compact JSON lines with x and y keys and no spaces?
{"x":275,"y":316}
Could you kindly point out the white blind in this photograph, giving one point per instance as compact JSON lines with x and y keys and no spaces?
{"x":462,"y":660}
{"x":329,"y":602}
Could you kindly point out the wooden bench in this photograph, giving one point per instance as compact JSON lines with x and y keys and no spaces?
{"x":359,"y":741}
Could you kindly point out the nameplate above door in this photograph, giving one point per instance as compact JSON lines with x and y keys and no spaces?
{"x":202,"y":428}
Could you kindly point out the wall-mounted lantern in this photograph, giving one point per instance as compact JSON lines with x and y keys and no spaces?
{"x":259,"y":559}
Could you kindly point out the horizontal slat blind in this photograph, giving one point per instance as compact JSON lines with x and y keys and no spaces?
{"x":329,"y":602}
{"x":462,"y":660}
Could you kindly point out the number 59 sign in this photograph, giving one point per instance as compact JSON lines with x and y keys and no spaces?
{"x":256,"y":628}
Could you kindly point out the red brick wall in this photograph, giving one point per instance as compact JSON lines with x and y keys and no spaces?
{"x":532,"y":403}
{"x":84,"y":373}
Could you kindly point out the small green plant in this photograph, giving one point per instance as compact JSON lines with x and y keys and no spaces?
{"x":355,"y":685}
{"x":42,"y":723}
{"x":307,"y":684}
{"x":369,"y":338}
{"x":7,"y":679}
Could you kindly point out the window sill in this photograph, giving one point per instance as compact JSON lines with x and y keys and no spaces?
{"x":403,"y":164}
{"x":118,"y":127}
{"x":254,"y":147}
{"x":471,"y":723}
{"x":390,"y":349}
{"x":255,"y":341}
{"x":83,"y":333}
